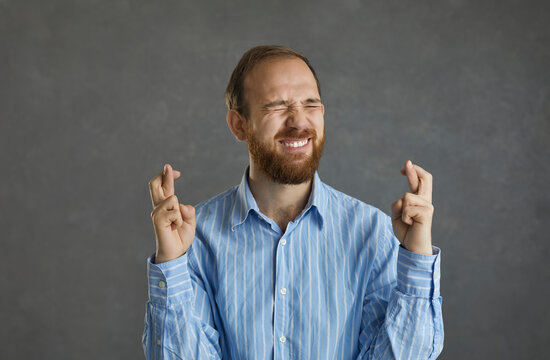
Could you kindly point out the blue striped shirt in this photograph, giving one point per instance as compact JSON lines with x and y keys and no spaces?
{"x":335,"y":285}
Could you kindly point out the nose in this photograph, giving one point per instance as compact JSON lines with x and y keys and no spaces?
{"x":297,"y":118}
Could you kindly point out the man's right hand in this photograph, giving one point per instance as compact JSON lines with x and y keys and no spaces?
{"x":174,"y":223}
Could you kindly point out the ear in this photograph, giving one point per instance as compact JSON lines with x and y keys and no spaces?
{"x":236,"y":123}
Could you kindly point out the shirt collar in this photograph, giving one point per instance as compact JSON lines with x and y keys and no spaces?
{"x":244,"y":201}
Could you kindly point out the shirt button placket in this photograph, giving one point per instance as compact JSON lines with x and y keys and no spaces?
{"x":283,"y":292}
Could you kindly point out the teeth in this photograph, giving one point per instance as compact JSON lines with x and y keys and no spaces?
{"x":296,"y":143}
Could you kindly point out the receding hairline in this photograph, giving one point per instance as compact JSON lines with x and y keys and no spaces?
{"x":272,"y":59}
{"x":234,"y":94}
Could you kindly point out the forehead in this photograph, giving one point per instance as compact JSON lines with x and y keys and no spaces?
{"x":284,"y":78}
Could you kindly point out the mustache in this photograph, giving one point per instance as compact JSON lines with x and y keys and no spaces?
{"x":296,"y":134}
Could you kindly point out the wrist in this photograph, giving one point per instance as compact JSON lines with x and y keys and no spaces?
{"x":422,"y":250}
{"x":160,"y":258}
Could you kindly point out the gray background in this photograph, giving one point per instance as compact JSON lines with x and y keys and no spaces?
{"x":95,"y":96}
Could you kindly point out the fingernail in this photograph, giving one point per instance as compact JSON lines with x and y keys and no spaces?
{"x":409,"y":164}
{"x":164,"y":171}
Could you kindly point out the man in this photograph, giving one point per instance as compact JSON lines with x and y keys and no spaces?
{"x":283,"y":266}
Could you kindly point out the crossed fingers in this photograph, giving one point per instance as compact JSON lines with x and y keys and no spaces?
{"x":420,"y":181}
{"x":162,"y":185}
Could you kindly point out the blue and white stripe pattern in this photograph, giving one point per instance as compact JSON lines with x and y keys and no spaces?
{"x":335,"y":285}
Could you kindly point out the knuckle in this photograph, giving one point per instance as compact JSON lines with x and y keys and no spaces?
{"x":153,"y":182}
{"x":155,"y":216}
{"x":173,"y":199}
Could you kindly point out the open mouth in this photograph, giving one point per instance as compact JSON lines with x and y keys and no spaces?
{"x":297,"y":143}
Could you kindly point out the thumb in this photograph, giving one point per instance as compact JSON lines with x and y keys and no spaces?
{"x":188,"y":214}
{"x":396,"y":209}
{"x":399,"y":227}
{"x":186,"y":231}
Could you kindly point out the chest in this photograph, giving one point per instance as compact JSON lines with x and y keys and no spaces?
{"x":307,"y":279}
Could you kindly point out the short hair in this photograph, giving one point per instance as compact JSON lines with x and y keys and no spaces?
{"x":234,"y":93}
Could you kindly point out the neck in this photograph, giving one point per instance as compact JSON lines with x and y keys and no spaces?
{"x":280,"y":202}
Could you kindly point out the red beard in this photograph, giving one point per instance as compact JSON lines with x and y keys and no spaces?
{"x":289,"y":169}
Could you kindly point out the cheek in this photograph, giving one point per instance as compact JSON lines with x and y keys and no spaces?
{"x":269,"y":130}
{"x":320,"y":127}
{"x":263,"y":134}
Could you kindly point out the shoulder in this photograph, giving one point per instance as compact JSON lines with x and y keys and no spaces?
{"x":367,"y":228}
{"x":216,"y":203}
{"x":210,"y":215}
{"x":342,"y":202}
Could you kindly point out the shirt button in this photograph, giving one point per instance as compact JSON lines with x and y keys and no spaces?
{"x":283,"y":241}
{"x":282,"y":339}
{"x":162,"y":284}
{"x":283,"y":291}
{"x":158,"y":342}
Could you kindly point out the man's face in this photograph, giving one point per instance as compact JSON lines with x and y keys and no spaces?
{"x":285,"y":125}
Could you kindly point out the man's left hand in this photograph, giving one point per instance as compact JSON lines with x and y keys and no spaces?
{"x":412,"y":214}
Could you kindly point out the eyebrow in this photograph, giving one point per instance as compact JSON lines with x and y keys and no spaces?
{"x":312,"y":101}
{"x":287,"y":103}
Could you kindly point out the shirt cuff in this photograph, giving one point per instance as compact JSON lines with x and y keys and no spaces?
{"x":417,"y":274}
{"x":169,"y":282}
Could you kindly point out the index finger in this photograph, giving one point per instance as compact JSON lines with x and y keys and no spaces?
{"x":162,"y":185}
{"x":168,"y":181}
{"x":423,"y":181}
{"x":412,"y":176}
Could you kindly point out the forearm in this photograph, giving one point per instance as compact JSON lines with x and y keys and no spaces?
{"x":172,"y":326}
{"x":410,"y":324}
{"x":413,"y":329}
